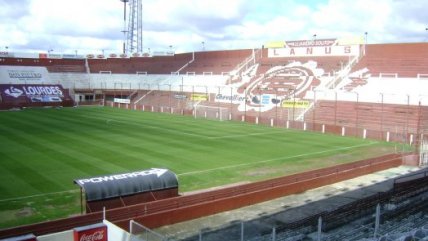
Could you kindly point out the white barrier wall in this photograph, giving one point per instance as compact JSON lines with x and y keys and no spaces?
{"x":133,"y":81}
{"x":24,"y":75}
{"x":62,"y":236}
{"x":115,"y":233}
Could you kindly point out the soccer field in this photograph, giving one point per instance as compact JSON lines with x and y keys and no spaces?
{"x":43,"y":150}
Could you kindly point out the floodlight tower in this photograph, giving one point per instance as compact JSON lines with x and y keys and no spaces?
{"x":124,"y":31}
{"x":133,"y":29}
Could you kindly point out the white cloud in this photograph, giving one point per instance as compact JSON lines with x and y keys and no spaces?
{"x":89,"y":26}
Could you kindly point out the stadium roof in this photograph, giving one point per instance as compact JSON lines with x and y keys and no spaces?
{"x":104,"y":187}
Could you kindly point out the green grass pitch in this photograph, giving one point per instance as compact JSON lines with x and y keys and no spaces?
{"x":43,"y":150}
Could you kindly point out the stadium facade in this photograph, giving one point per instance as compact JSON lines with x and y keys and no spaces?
{"x":340,"y":86}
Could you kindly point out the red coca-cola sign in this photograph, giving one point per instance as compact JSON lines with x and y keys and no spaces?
{"x":95,"y":232}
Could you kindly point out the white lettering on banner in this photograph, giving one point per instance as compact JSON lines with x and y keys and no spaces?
{"x":98,"y":235}
{"x":42,"y":90}
{"x":153,"y":171}
{"x":26,"y":75}
{"x":122,"y":101}
{"x":315,"y":51}
{"x":228,"y":98}
{"x":306,"y":43}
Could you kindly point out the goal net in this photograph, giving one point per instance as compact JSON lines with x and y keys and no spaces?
{"x":212,"y":112}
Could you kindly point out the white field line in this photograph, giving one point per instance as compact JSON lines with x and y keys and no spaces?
{"x":242,"y":135}
{"x":274,"y":159}
{"x":37,"y":195}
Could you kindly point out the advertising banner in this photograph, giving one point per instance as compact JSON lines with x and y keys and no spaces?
{"x":23,"y":74}
{"x":295,"y":104}
{"x":275,"y":44}
{"x":310,"y":43}
{"x":122,"y":101}
{"x":180,"y":96}
{"x":227,"y":98}
{"x":316,"y":47}
{"x":95,"y":232}
{"x":198,"y":97}
{"x":55,"y":56}
{"x":162,"y":53}
{"x":72,"y":56}
{"x":123,"y":184}
{"x":32,"y":93}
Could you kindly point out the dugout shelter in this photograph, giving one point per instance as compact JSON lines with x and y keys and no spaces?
{"x":119,"y":190}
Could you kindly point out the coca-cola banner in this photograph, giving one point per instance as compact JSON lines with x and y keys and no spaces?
{"x":27,"y":237}
{"x":94,"y":232}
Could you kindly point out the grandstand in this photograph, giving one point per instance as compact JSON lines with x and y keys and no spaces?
{"x":339,"y":86}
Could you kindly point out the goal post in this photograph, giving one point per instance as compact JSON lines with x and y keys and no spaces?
{"x":211,"y":112}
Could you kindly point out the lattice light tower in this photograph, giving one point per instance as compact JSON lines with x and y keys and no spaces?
{"x":133,"y":28}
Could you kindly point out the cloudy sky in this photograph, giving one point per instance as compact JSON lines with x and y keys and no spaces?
{"x":90,"y":26}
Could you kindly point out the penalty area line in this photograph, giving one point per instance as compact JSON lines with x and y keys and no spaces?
{"x":275,"y":159}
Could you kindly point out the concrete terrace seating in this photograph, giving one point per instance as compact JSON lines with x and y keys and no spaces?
{"x":150,"y":65}
{"x":372,"y":116}
{"x":213,"y":62}
{"x":216,"y":62}
{"x":52,"y":65}
{"x":406,"y":60}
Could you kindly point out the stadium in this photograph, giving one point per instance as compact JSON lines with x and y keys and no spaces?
{"x":321,"y":139}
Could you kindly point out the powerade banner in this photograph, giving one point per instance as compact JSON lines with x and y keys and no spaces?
{"x":33,"y":93}
{"x":123,"y":184}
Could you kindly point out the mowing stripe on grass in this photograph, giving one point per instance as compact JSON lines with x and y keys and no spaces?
{"x":112,"y":121}
{"x":274,"y":159}
{"x":209,"y":170}
{"x":242,"y":135}
{"x":163,"y":128}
